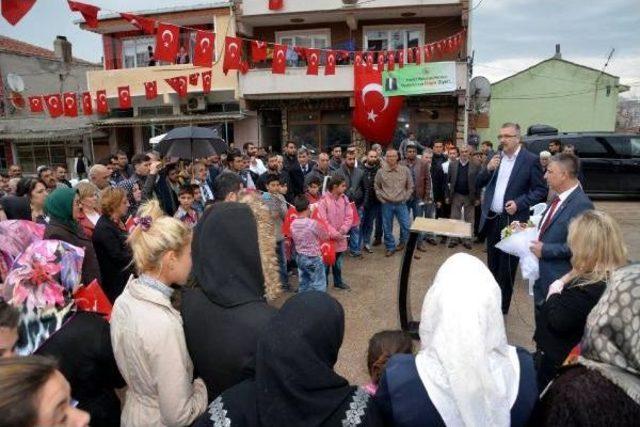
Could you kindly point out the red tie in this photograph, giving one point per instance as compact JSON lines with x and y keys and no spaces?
{"x":547,"y":220}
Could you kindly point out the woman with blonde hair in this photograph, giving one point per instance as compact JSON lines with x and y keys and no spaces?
{"x":146,"y":330}
{"x":597,"y":249}
{"x":88,"y":200}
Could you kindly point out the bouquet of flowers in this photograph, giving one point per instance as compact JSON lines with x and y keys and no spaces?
{"x":516,"y":240}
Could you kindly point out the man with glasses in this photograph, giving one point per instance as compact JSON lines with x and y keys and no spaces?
{"x":514,"y":182}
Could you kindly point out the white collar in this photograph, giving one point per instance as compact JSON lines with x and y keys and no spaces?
{"x":563,"y":196}
{"x":512,"y":158}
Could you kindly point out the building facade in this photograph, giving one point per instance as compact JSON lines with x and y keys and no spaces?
{"x":34,"y":139}
{"x":556,"y":92}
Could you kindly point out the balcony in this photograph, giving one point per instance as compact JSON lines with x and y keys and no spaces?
{"x":260,"y":83}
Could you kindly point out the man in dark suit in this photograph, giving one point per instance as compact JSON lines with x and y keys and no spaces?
{"x":514,"y":182}
{"x":462,"y":192}
{"x":299,"y":173}
{"x":570,"y":201}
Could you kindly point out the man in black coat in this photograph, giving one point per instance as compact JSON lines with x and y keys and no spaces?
{"x":353,"y":177}
{"x":298,"y":174}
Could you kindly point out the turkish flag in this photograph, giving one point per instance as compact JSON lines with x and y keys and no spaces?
{"x":54,"y":105}
{"x":232,"y":54}
{"x":36,"y":105}
{"x":147,"y":25}
{"x":330,"y":68}
{"x":369,"y":61}
{"x":391,"y":60}
{"x":151,"y":89}
{"x":374,"y":116}
{"x":401,"y":58}
{"x":14,"y":10}
{"x":88,"y":11}
{"x":279,"y":64}
{"x":291,"y":215}
{"x":313,"y":61}
{"x":193,"y":79}
{"x":87,"y":104}
{"x":70,"y":104}
{"x":124,"y":97}
{"x":101,"y":102}
{"x":328,"y":246}
{"x":258,"y":50}
{"x":92,"y":298}
{"x":179,"y":84}
{"x":417,"y":55}
{"x":357,"y":59}
{"x":203,"y":49}
{"x":275,"y":4}
{"x":206,"y":81}
{"x":167,"y":38}
{"x":428,"y":53}
{"x":410,"y":55}
{"x":380,"y":61}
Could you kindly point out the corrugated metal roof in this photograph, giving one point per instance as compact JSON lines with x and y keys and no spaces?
{"x":51,"y":135}
{"x":200,"y":118}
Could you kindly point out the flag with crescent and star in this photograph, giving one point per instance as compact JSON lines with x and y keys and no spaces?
{"x":14,"y":10}
{"x":102,"y":105}
{"x":151,"y":89}
{"x":70,"y":104}
{"x":313,"y":61}
{"x":124,"y":97}
{"x":87,"y":104}
{"x":193,"y":79}
{"x":330,"y":67}
{"x":167,"y":38}
{"x":279,"y":64}
{"x":36,"y":105}
{"x":374,"y":116}
{"x":88,"y":11}
{"x":206,"y":81}
{"x":54,"y":105}
{"x":258,"y":51}
{"x":203,"y":49}
{"x":179,"y":84}
{"x":391,"y":60}
{"x":147,"y":25}
{"x":232,"y":54}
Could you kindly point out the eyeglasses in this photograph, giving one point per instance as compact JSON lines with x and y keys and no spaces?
{"x":506,"y":136}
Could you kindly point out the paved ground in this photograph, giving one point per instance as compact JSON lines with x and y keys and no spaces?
{"x":372,"y":304}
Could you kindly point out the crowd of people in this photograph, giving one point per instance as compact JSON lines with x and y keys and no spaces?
{"x":190,"y":257}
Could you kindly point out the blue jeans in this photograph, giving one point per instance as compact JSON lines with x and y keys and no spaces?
{"x":415,"y":211}
{"x":355,"y":245}
{"x":282,"y":262}
{"x":400,"y":211}
{"x":311,"y":274}
{"x":337,"y":270}
{"x":369,"y":216}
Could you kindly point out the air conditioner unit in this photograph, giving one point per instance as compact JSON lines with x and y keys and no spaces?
{"x":196,"y":103}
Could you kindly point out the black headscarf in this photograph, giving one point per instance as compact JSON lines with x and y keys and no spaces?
{"x":226,"y":255}
{"x":16,"y":207}
{"x":295,"y":381}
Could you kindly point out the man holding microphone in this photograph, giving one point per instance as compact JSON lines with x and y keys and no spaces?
{"x":514,"y":182}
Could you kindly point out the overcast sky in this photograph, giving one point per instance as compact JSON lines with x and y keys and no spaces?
{"x":507,"y":35}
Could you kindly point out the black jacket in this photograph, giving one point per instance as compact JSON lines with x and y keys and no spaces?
{"x":166,"y":196}
{"x":90,"y":267}
{"x":368,"y":180}
{"x":297,"y":177}
{"x":114,"y":256}
{"x":85,"y":357}
{"x":438,"y":178}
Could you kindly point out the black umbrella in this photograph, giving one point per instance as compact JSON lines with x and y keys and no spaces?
{"x":191,"y":142}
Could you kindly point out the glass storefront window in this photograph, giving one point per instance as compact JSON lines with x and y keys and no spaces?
{"x":336,"y":134}
{"x":306,"y":135}
{"x":30,"y":155}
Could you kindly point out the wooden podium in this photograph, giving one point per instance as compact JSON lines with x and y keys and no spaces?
{"x":439,"y":227}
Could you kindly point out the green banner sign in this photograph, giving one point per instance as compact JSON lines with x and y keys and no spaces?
{"x":432,"y":77}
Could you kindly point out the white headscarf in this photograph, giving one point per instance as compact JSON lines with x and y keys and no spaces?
{"x":469,"y":370}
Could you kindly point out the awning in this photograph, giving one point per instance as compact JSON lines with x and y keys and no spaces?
{"x":52,"y":135}
{"x":195,"y":119}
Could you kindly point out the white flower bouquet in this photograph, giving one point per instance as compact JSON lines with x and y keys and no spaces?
{"x":516,"y":240}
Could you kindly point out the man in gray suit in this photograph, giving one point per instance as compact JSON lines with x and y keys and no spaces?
{"x":461,"y":190}
{"x":551,"y":247}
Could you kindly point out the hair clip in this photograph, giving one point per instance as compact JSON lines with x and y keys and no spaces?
{"x":144,"y":222}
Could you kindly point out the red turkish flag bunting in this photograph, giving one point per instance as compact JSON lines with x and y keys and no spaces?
{"x":428,"y":53}
{"x":14,"y":10}
{"x":330,"y":68}
{"x":206,"y":81}
{"x":374,"y":116}
{"x":36,"y":105}
{"x":357,"y":59}
{"x":391,"y":60}
{"x":167,"y":38}
{"x":124,"y":97}
{"x":313,"y":61}
{"x":279,"y":64}
{"x":88,"y":11}
{"x":179,"y":84}
{"x":70,"y":104}
{"x":417,"y":55}
{"x":410,"y":55}
{"x":151,"y":89}
{"x":258,"y":50}
{"x":147,"y":25}
{"x":203,"y":49}
{"x":380,"y":61}
{"x":87,"y":105}
{"x":193,"y":79}
{"x":232,"y":54}
{"x":275,"y":4}
{"x":102,"y":105}
{"x":54,"y":105}
{"x":401,"y":58}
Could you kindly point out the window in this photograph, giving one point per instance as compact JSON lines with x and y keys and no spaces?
{"x":33,"y":154}
{"x":393,"y":38}
{"x":320,"y":130}
{"x":588,"y":147}
{"x":135,"y":51}
{"x":316,"y":39}
{"x":635,"y":147}
{"x":620,"y":145}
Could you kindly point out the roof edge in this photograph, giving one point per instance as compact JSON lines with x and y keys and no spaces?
{"x":554,"y":59}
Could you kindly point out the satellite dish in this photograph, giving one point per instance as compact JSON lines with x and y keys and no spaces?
{"x":480,"y":94}
{"x":15,"y":82}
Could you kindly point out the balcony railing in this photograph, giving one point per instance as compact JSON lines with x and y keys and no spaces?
{"x":261,"y":7}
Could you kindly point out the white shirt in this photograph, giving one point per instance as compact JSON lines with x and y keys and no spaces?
{"x":504,"y":173}
{"x":562,"y":196}
{"x":257,"y":167}
{"x":445,"y":167}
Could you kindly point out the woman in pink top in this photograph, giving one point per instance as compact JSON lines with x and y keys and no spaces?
{"x":335,"y":209}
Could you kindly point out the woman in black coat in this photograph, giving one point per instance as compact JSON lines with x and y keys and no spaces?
{"x":110,"y":241}
{"x":62,"y":208}
{"x":234,"y":266}
{"x":597,"y":249}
